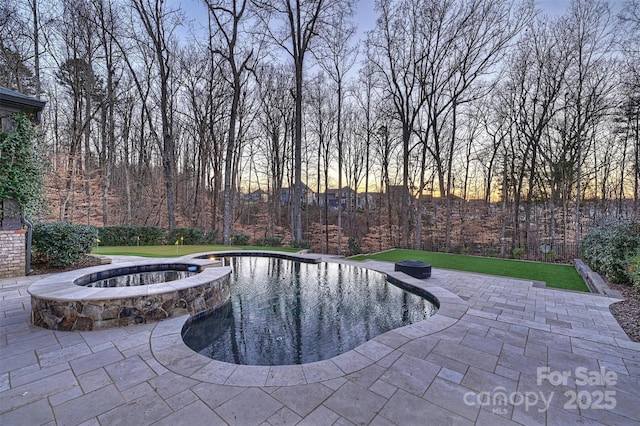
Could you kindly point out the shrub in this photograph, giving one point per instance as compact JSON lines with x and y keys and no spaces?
{"x":268,"y":242}
{"x":189,"y":236}
{"x":301,"y":244}
{"x":518,"y":253}
{"x":131,"y":235}
{"x":465,"y":250}
{"x":608,"y":246}
{"x":211,"y":237}
{"x":149,"y":235}
{"x":633,"y":269}
{"x":550,"y":255}
{"x":63,"y":243}
{"x":354,"y":246}
{"x":489,"y":251}
{"x":239,"y":239}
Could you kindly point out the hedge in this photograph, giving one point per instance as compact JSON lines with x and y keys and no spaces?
{"x":61,"y":243}
{"x":153,"y":236}
{"x":609,"y":248}
{"x":131,"y":236}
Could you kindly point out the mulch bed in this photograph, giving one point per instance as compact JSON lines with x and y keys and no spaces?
{"x":39,"y":267}
{"x":627,"y":312}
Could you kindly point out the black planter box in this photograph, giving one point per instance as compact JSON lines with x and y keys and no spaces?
{"x":414,"y":268}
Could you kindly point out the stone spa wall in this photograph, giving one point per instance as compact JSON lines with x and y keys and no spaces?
{"x":62,"y":305}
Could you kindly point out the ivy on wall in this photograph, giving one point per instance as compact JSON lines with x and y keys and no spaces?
{"x":21,"y":167}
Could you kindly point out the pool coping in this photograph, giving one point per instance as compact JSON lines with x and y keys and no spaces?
{"x":61,"y":287}
{"x":169,"y":349}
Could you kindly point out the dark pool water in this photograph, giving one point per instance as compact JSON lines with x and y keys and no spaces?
{"x":285,"y":312}
{"x":141,"y":278}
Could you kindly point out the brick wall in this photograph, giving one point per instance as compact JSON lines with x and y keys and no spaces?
{"x":12,"y":247}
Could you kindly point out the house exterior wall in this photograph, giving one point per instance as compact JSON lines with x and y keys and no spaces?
{"x":12,"y":253}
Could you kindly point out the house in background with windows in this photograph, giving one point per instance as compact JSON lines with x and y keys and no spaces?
{"x":308,"y":196}
{"x":346,"y":197}
{"x":259,"y":195}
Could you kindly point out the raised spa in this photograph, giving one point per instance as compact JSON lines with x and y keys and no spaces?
{"x":129,"y":293}
{"x":139,"y":275}
{"x":288,"y":312}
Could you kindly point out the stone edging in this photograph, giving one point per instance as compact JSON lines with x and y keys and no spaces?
{"x":594,"y":281}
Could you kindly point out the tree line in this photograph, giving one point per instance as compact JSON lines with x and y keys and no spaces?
{"x":444,"y":111}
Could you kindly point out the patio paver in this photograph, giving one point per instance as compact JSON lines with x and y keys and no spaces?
{"x":499,"y":351}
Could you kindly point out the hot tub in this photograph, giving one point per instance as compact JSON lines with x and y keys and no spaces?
{"x":67,"y":302}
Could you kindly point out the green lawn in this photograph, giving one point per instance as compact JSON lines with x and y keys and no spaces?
{"x":173,"y":251}
{"x":555,"y":275}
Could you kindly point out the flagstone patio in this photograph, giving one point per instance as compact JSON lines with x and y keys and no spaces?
{"x":500,"y":351}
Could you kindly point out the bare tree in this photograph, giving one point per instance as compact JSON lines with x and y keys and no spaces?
{"x":274,"y":85}
{"x":591,"y":33}
{"x":77,"y":74}
{"x":531,"y":99}
{"x":106,"y":22}
{"x":337,"y":56}
{"x":322,"y":114}
{"x":366,"y":96}
{"x":36,"y":47}
{"x":228,"y":17}
{"x":16,"y":72}
{"x":159,"y":24}
{"x":397,"y":50}
{"x":432,"y":53}
{"x":303,"y":20}
{"x":467,"y":42}
{"x":630,"y":17}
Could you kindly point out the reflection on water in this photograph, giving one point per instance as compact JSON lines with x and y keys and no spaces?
{"x":284,"y":312}
{"x":141,"y":278}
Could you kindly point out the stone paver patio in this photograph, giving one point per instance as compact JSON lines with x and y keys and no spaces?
{"x":499,"y":352}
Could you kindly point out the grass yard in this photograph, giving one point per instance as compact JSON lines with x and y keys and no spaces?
{"x":555,"y":275}
{"x":176,"y":251}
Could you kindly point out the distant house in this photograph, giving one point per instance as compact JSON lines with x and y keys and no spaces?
{"x":345,"y":197}
{"x":255,"y":196}
{"x":307,"y":197}
{"x":12,"y":102}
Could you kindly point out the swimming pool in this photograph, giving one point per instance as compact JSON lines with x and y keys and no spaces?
{"x":286,"y":312}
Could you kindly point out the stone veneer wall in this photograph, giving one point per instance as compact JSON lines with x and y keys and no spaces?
{"x":87,"y":315}
{"x":12,"y":253}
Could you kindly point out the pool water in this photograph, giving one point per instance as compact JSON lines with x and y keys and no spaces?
{"x":141,"y":278}
{"x":285,"y":312}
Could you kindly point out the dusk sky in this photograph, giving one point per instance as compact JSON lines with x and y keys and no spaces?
{"x":365,"y":14}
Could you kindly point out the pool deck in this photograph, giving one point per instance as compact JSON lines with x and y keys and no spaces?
{"x":556,"y":357}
